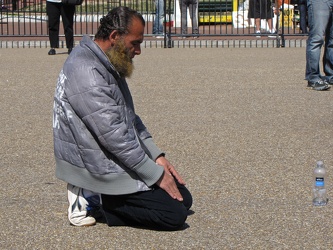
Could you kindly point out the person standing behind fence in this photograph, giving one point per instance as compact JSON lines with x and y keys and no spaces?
{"x":159,"y":17}
{"x":261,"y":9}
{"x":320,"y":32}
{"x":192,"y":5}
{"x":303,"y":13}
{"x":55,"y":9}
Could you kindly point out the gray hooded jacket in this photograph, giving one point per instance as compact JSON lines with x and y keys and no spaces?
{"x":100,"y":144}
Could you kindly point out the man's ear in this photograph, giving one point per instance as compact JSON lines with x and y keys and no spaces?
{"x":113,"y":37}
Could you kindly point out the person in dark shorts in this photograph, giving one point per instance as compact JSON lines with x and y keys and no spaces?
{"x":261,"y":9}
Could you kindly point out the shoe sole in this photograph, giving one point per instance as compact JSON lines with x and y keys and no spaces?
{"x":85,"y":225}
{"x":86,"y":222}
{"x":327,"y":87}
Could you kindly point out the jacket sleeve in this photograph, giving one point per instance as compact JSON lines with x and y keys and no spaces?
{"x":147,"y":140}
{"x":100,"y":106}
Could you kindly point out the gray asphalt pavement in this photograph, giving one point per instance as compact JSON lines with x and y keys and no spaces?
{"x":238,"y":123}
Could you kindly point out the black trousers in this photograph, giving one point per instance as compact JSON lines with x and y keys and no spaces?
{"x":153,"y":209}
{"x":54,"y":11}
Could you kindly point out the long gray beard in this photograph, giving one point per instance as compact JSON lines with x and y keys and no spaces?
{"x":120,"y":59}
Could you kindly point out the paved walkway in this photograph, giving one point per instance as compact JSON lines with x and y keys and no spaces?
{"x":239,"y":124}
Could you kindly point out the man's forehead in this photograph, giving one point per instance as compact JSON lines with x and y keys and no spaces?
{"x":136,"y":29}
{"x":136,"y":25}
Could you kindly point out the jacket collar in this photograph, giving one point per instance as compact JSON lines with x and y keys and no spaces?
{"x":99,"y":53}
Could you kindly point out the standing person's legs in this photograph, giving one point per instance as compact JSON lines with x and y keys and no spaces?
{"x":258,"y":24}
{"x":159,"y":16}
{"x":193,"y":8}
{"x":183,"y":10}
{"x":266,"y":13}
{"x":67,"y":15}
{"x":328,"y":52}
{"x":53,"y":13}
{"x":153,"y":209}
{"x":250,"y":13}
{"x":257,"y":15}
{"x":303,"y":16}
{"x":270,"y":25}
{"x":319,"y":15}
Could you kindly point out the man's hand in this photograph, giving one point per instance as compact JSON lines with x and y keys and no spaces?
{"x":169,"y":169}
{"x":167,"y":182}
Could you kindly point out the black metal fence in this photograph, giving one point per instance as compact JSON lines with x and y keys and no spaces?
{"x":217,"y":19}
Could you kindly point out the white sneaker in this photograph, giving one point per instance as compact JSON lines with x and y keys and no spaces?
{"x":84,"y":206}
{"x":258,"y":34}
{"x":159,"y":36}
{"x":272,"y":33}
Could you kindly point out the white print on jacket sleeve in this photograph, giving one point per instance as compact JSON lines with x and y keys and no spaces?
{"x":58,"y":104}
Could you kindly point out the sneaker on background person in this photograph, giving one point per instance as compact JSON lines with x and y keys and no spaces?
{"x":159,"y":36}
{"x":272,"y":33}
{"x":195,"y":34}
{"x":84,"y":206}
{"x":52,"y":52}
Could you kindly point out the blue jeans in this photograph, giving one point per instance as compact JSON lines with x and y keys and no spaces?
{"x":159,"y":16}
{"x":320,"y":28}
